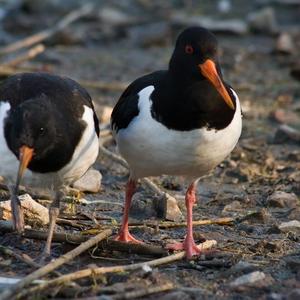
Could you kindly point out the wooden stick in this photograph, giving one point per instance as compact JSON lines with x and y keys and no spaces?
{"x":8,"y":293}
{"x":132,"y":248}
{"x":30,"y":54}
{"x":164,"y":225}
{"x":145,"y":291}
{"x":8,"y":71}
{"x":59,"y":237}
{"x":24,"y":258}
{"x":114,"y":269}
{"x":45,"y":34}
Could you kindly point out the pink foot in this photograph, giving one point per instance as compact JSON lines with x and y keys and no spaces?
{"x":189,"y":246}
{"x":125,"y":236}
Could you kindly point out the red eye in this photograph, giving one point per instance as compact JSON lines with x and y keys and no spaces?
{"x":189,"y":49}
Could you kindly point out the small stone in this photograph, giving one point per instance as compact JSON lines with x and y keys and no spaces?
{"x":167,"y":207}
{"x":295,"y":214}
{"x":148,"y":35}
{"x":284,"y":44}
{"x":263,"y":21}
{"x":231,"y":207}
{"x":248,"y":279}
{"x":261,"y":217}
{"x":234,"y":26}
{"x":114,"y":17}
{"x":224,"y":6}
{"x":242,"y":267}
{"x":284,"y":116}
{"x":293,"y":226}
{"x":293,"y":295}
{"x":176,"y":296}
{"x":286,"y":134}
{"x":89,"y":182}
{"x":283,"y":199}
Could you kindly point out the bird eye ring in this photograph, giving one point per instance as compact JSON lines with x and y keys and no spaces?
{"x":189,"y":49}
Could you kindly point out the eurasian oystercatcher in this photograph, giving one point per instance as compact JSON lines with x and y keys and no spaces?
{"x":181,"y":121}
{"x":49,"y":124}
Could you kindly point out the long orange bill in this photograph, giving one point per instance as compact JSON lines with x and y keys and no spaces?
{"x":25,"y":156}
{"x":208,"y":69}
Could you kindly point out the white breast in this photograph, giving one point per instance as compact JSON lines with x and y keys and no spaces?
{"x":8,"y":162}
{"x":151,"y":149}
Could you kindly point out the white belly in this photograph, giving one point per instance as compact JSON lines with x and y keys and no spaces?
{"x":151,"y":149}
{"x":8,"y":162}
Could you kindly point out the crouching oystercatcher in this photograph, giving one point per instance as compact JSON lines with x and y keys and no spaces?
{"x":181,"y":121}
{"x":49,"y":124}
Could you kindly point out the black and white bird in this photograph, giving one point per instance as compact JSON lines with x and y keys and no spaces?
{"x":181,"y":121}
{"x":48,"y":123}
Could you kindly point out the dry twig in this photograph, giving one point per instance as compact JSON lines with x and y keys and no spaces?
{"x":145,"y":291}
{"x":45,"y":34}
{"x":30,"y":54}
{"x":79,"y":238}
{"x":23,"y":258}
{"x":6,"y":294}
{"x":90,"y":272}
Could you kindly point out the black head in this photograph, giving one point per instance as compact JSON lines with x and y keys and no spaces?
{"x":30,"y":131}
{"x":195,"y":58}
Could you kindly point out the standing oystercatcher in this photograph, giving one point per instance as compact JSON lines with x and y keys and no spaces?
{"x":48,"y":122}
{"x":181,"y":121}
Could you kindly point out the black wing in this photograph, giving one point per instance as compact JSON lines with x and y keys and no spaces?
{"x":127,"y":106}
{"x":63,"y":91}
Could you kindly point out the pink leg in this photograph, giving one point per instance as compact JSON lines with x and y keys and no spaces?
{"x":189,"y":244}
{"x":124,"y":235}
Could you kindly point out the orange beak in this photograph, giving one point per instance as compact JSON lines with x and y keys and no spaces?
{"x":208,"y":70}
{"x":25,"y":157}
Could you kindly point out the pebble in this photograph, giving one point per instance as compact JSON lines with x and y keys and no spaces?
{"x":167,"y":206}
{"x":114,"y":17}
{"x":295,"y":214}
{"x":263,"y":21}
{"x":232,"y":207}
{"x":285,"y":44}
{"x":293,"y":226}
{"x":89,"y":182}
{"x":286,"y":134}
{"x":282,"y":199}
{"x":284,"y":116}
{"x":248,"y":279}
{"x":260,"y":217}
{"x":176,"y":296}
{"x":293,"y":294}
{"x":147,"y":35}
{"x":242,"y":267}
{"x":235,"y":26}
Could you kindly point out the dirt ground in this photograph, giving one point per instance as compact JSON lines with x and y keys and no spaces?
{"x":258,"y":185}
